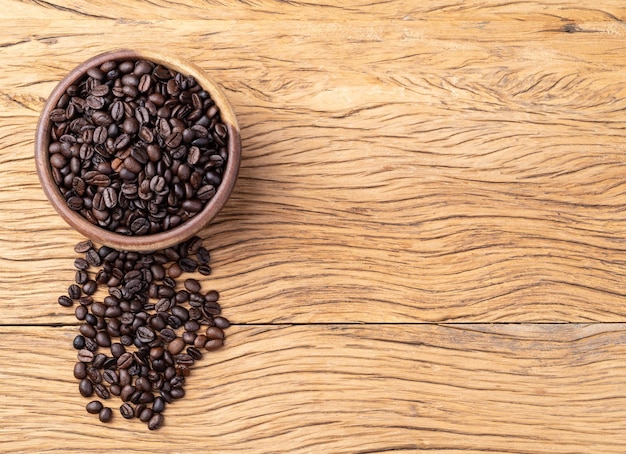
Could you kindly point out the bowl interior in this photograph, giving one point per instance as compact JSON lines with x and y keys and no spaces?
{"x":150,"y":241}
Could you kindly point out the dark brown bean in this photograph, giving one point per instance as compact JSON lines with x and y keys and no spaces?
{"x":94,"y":407}
{"x":105,"y":414}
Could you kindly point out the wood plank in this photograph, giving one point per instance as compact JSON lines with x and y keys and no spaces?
{"x":444,"y":10}
{"x":460,"y":171}
{"x":344,"y":389}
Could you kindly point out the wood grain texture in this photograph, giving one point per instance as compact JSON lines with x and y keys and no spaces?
{"x":457,"y":171}
{"x":344,"y":389}
{"x":422,"y":184}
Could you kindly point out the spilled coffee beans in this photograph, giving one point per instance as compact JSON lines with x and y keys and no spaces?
{"x":142,"y":327}
{"x":137,"y":148}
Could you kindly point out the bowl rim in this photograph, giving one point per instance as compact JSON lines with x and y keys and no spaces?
{"x":158,"y":240}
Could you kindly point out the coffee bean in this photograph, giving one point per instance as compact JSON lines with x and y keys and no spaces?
{"x":117,"y":349}
{"x":87,"y":330}
{"x":140,"y":226}
{"x":125,"y":360}
{"x":127,"y":389}
{"x":80,"y":370}
{"x":79,"y":342}
{"x":145,"y":334}
{"x":204,"y":270}
{"x":175,"y":346}
{"x":93,"y":258}
{"x":155,"y":421}
{"x":188,"y":265}
{"x":214,"y":344}
{"x":100,"y":90}
{"x":84,"y":355}
{"x":94,"y":407}
{"x":221,"y":322}
{"x":105,"y":414}
{"x":103,"y":339}
{"x":211,"y":309}
{"x":194,"y":353}
{"x":90,"y":287}
{"x":146,"y":414}
{"x":81,"y":277}
{"x":110,"y":376}
{"x":95,"y":73}
{"x":178,"y":393}
{"x":192,"y":285}
{"x":85,"y":388}
{"x":83,"y":246}
{"x":127,"y":411}
{"x":65,"y":301}
{"x":101,"y":391}
{"x":211,"y":296}
{"x":91,"y":345}
{"x":203,"y":255}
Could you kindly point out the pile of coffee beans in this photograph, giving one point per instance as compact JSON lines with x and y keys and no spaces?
{"x":137,"y":148}
{"x":144,"y":324}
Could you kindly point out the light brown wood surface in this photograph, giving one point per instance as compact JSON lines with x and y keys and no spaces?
{"x":425,"y":250}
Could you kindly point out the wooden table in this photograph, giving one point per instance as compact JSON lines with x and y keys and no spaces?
{"x":425,"y":250}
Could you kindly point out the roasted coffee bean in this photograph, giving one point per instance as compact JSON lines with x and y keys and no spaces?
{"x":84,"y":355}
{"x":177,"y":392}
{"x":188,"y":265}
{"x":155,"y":421}
{"x":184,"y":359}
{"x":221,"y":322}
{"x":115,"y":389}
{"x":213,"y":332}
{"x":127,"y":391}
{"x":105,"y":414}
{"x":146,"y":414}
{"x":212,"y":296}
{"x":81,"y":277}
{"x":85,"y":388}
{"x":176,"y":346}
{"x":101,"y":391}
{"x":103,"y":339}
{"x":125,"y":360}
{"x":74,"y":291}
{"x":117,"y":349}
{"x":110,"y":363}
{"x":98,"y":360}
{"x":127,"y":411}
{"x":94,"y":407}
{"x":79,"y":342}
{"x":145,"y":334}
{"x":83,"y":246}
{"x":91,"y":344}
{"x":110,"y":376}
{"x":194,"y":353}
{"x":92,"y":320}
{"x":90,"y":287}
{"x":87,"y":330}
{"x":192,"y":285}
{"x":204,"y":270}
{"x":192,"y":326}
{"x":174,"y":322}
{"x":214,"y":344}
{"x":80,"y":370}
{"x":65,"y":301}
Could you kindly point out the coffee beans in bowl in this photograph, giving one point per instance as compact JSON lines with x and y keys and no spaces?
{"x":136,"y":150}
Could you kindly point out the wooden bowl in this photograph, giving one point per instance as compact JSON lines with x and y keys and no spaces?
{"x":146,"y":242}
